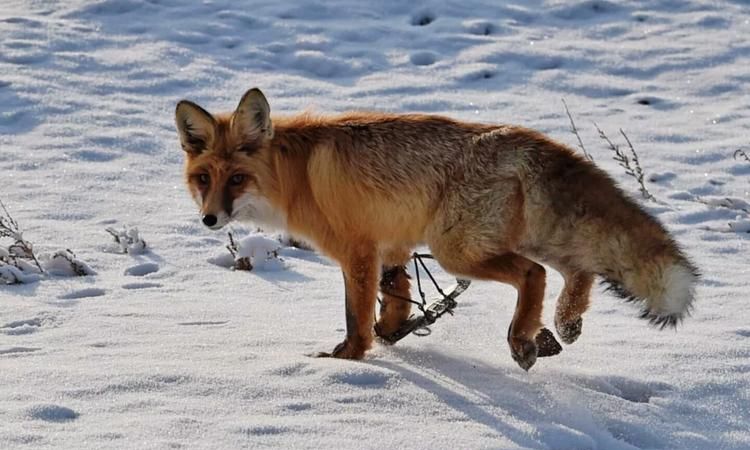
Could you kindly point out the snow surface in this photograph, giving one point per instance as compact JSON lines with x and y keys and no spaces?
{"x":166,"y":350}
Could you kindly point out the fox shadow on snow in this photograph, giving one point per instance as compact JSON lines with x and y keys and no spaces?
{"x":511,"y":405}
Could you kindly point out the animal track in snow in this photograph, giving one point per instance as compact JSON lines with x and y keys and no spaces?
{"x":586,"y":10}
{"x":362,"y":377}
{"x":422,"y":18}
{"x":288,"y":370}
{"x":479,"y":27}
{"x":662,"y":177}
{"x":627,"y":389}
{"x":263,"y":430}
{"x":51,"y":413}
{"x":297,"y":407}
{"x":423,"y":58}
{"x":15,"y":350}
{"x":142,"y":269}
{"x":83,"y":293}
{"x":131,"y":385}
{"x":140,"y":285}
{"x":94,"y":156}
{"x":112,"y":8}
{"x":20,"y":327}
{"x":204,"y":323}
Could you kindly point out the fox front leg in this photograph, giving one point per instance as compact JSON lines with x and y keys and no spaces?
{"x":360,"y":282}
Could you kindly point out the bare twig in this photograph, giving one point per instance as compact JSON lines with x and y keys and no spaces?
{"x":33,"y":256}
{"x":741,"y":153}
{"x":20,"y":247}
{"x":632,"y":166}
{"x":638,"y":171}
{"x":240,"y":262}
{"x":11,"y":223}
{"x":232,"y":246}
{"x":574,"y":129}
{"x":114,"y":234}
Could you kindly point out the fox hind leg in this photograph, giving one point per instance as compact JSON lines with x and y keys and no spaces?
{"x":529,"y":279}
{"x":572,"y":303}
{"x":395,"y":288}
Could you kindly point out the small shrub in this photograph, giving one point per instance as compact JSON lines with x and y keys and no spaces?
{"x":128,"y":240}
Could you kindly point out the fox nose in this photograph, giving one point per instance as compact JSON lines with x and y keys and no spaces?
{"x":209,"y":220}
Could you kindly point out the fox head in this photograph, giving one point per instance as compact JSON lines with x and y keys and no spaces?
{"x":226,"y":161}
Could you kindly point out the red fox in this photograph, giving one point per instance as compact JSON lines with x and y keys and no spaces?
{"x":492,"y":202}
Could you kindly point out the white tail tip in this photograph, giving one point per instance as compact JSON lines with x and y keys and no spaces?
{"x":678,"y":294}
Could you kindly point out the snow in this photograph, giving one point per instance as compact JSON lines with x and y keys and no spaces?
{"x":12,"y":275}
{"x":262,"y":252}
{"x":162,"y":348}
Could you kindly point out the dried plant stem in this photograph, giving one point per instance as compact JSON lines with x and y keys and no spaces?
{"x":12,"y":224}
{"x":9,"y":228}
{"x":637,"y":166}
{"x":240,"y":263}
{"x":574,"y":129}
{"x":631,"y":164}
{"x":33,"y":257}
{"x":741,"y":153}
{"x":114,"y":234}
{"x":232,"y":247}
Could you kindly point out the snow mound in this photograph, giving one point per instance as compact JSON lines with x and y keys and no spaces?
{"x":64,"y":263}
{"x":253,"y":252}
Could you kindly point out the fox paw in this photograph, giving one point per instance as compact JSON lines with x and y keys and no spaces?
{"x":546,"y":344}
{"x":569,"y":331}
{"x":345,"y":350}
{"x":385,"y":329}
{"x":383,"y":332}
{"x":523,"y":351}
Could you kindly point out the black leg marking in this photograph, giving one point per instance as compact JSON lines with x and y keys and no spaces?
{"x":351,"y":319}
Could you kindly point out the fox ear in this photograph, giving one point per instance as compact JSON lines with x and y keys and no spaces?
{"x":252,"y":118}
{"x":195,"y":126}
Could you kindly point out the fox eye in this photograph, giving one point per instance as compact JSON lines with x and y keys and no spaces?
{"x":204,"y":179}
{"x":237,"y":180}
